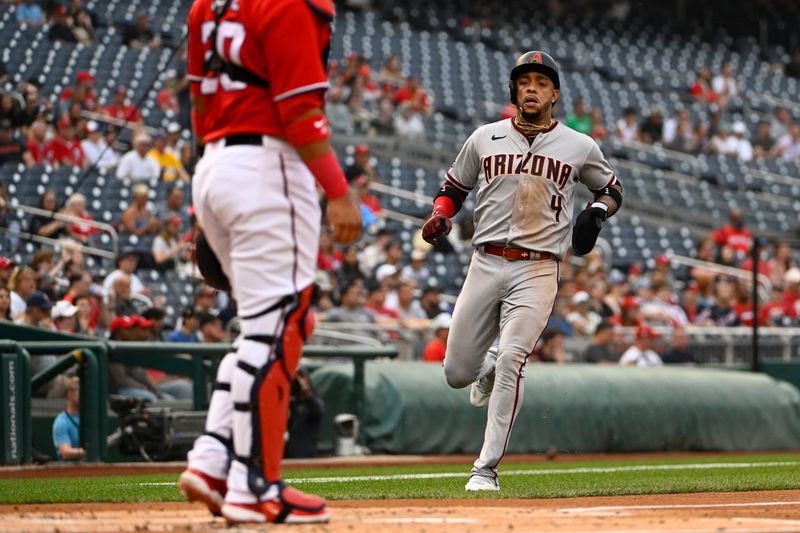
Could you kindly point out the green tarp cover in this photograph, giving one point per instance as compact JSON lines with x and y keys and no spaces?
{"x":574,"y":408}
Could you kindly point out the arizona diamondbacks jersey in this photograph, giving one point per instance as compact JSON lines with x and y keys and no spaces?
{"x":526,"y":190}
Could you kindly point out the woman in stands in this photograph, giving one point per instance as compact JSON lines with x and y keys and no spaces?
{"x":44,"y":225}
{"x":76,"y":207}
{"x":5,"y":305}
{"x":22,"y":285}
{"x":168,"y":246}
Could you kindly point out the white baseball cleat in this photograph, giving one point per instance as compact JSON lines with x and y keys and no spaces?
{"x":481,"y":390}
{"x":478,"y":482}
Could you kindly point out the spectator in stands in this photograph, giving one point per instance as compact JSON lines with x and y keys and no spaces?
{"x":156,"y":316}
{"x":66,"y":426}
{"x":188,"y":158}
{"x":722,"y":312}
{"x":641,"y":353}
{"x":138,"y":219}
{"x":5,"y":304}
{"x":780,"y":123}
{"x":306,"y":410}
{"x":329,"y":256}
{"x":583,"y":320}
{"x":791,"y":294}
{"x":725,"y":85}
{"x":63,"y":315}
{"x":599,"y":351}
{"x":168,"y":246}
{"x":83,"y":28}
{"x":627,"y":128}
{"x":383,"y":123}
{"x":431,"y":302}
{"x":85,"y":324}
{"x":82,"y":92}
{"x":126,"y":264}
{"x":37,"y":141}
{"x":391,"y":72}
{"x":120,"y":302}
{"x":3,"y":72}
{"x":416,"y":269}
{"x":167,"y":97}
{"x":98,"y":153}
{"x":29,"y":12}
{"x":170,"y":165}
{"x":701,"y":89}
{"x":762,"y":141}
{"x":408,"y":124}
{"x":406,"y":303}
{"x":140,"y":34}
{"x":137,"y":165}
{"x":6,"y":271}
{"x":365,"y":198}
{"x":187,"y":332}
{"x":76,"y":207}
{"x":630,"y":315}
{"x":23,"y":285}
{"x":599,"y":132}
{"x":126,"y":380}
{"x":13,"y":151}
{"x":37,"y":311}
{"x":551,"y":347}
{"x":174,"y":143}
{"x":680,"y":134}
{"x":61,"y":27}
{"x":679,"y":352}
{"x":34,"y":108}
{"x":362,"y":166}
{"x":349,"y":270}
{"x":351,"y":308}
{"x":414,"y":96}
{"x":652,"y":129}
{"x":205,"y":299}
{"x":11,"y":104}
{"x":120,"y":108}
{"x":375,"y":303}
{"x":65,"y":148}
{"x":173,"y":206}
{"x":788,"y":146}
{"x":744,"y":150}
{"x":580,"y":120}
{"x":734,"y":234}
{"x":374,"y":254}
{"x":210,"y":327}
{"x":435,"y":349}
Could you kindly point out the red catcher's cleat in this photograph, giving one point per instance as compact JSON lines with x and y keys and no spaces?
{"x":200,"y":487}
{"x":290,"y":507}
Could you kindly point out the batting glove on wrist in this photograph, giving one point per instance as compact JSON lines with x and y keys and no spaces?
{"x":587,"y":229}
{"x":436,"y":226}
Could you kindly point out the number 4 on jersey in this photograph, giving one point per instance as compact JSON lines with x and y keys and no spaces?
{"x":557,"y":205}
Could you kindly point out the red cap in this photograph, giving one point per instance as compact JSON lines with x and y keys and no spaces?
{"x":629,"y":302}
{"x":85,"y":76}
{"x":139,"y":320}
{"x":635,"y":268}
{"x":644,"y":331}
{"x":5,"y":262}
{"x":61,"y":10}
{"x":662,"y":260}
{"x":362,"y":149}
{"x":121,"y":322}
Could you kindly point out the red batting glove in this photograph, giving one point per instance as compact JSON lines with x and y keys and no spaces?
{"x":439,"y":224}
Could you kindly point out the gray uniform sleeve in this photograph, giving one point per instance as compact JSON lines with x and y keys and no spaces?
{"x":464,"y":171}
{"x":596,"y":173}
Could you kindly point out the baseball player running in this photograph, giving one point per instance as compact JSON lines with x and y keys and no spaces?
{"x":258,"y":77}
{"x":524,"y":171}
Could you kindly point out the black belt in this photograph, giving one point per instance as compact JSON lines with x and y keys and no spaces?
{"x":255,"y":139}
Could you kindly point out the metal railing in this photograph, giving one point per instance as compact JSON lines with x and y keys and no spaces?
{"x":765,"y":284}
{"x":102,"y":226}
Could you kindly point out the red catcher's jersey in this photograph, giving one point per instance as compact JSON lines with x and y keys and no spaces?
{"x":280,"y":41}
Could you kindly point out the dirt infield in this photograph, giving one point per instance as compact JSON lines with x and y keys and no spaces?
{"x":749,"y":512}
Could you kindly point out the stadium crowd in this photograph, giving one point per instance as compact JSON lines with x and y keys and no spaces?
{"x":374,"y":283}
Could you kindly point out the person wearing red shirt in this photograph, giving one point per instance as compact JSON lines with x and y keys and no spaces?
{"x":119,"y":109}
{"x":37,"y":141}
{"x":734,"y":234}
{"x":258,"y":80}
{"x":82,"y":91}
{"x":791,"y":293}
{"x":415,"y":95}
{"x":369,"y":200}
{"x":64,"y":148}
{"x":436,"y":348}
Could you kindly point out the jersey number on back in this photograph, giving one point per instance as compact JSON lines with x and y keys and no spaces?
{"x":227,"y":31}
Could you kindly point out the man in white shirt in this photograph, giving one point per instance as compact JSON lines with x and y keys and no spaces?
{"x":744,"y":150}
{"x":788,"y":146}
{"x":408,"y":124}
{"x":641,"y":353}
{"x":136,"y":165}
{"x":724,"y":84}
{"x":127,"y":261}
{"x":98,"y":153}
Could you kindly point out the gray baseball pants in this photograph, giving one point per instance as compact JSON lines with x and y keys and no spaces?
{"x":513,"y":299}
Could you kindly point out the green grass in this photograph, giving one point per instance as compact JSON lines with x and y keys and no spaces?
{"x":514,"y":481}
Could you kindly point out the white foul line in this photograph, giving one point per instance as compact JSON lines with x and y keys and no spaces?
{"x":534,"y":472}
{"x":584,"y":510}
{"x":546,"y":472}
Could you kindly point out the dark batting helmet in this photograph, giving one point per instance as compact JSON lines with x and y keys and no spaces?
{"x":534,"y":61}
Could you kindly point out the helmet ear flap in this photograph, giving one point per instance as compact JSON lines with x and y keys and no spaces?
{"x":512,"y":92}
